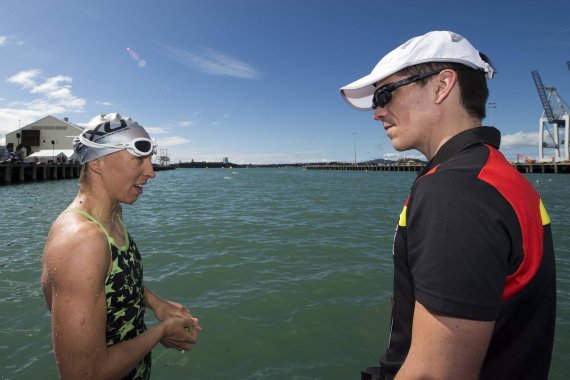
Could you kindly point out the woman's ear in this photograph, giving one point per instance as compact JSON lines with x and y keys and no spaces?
{"x":95,"y":166}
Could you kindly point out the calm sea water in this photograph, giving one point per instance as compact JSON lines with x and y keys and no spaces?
{"x":288,"y":270}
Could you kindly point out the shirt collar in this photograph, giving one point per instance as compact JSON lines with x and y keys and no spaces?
{"x":462,"y":141}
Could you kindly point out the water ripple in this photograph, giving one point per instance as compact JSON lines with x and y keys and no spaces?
{"x":289,"y":271}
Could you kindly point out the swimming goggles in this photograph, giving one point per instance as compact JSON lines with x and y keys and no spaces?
{"x":383,"y":95}
{"x":139,"y":146}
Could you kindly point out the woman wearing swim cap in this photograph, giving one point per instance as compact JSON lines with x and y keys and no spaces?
{"x":92,"y":271}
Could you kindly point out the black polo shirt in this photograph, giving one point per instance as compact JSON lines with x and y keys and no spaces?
{"x":474,"y":242}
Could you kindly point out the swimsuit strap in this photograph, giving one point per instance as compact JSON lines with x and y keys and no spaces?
{"x":110,"y":239}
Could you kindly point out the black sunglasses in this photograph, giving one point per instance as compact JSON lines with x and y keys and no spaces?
{"x":383,"y":95}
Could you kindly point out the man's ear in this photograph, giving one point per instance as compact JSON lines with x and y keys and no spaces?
{"x":446,"y":82}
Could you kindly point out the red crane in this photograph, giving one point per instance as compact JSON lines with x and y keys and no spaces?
{"x":526,"y":159}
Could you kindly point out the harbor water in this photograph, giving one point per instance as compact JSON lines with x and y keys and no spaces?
{"x":289,"y":271}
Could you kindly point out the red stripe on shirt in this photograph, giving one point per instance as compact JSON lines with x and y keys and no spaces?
{"x":519,"y":193}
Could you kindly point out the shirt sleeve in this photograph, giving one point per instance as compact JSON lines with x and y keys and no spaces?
{"x":459,"y":245}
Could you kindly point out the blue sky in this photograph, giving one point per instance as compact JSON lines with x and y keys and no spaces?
{"x":257,"y":80}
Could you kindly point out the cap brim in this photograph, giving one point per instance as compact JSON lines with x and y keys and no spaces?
{"x":358,"y":94}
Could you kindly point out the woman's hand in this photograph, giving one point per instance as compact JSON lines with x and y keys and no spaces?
{"x":182,"y":328}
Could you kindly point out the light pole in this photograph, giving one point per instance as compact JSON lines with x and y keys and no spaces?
{"x":492,"y":106}
{"x":354,"y":134}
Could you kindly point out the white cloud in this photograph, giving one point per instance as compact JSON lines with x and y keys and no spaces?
{"x":54,"y":97}
{"x":155,"y":130}
{"x":213,"y":62}
{"x":56,"y":91}
{"x":55,"y":87}
{"x":25,"y":79}
{"x":519,"y":139}
{"x":394,"y":156}
{"x":172,"y":141}
{"x":185,"y":123}
{"x":5,"y":40}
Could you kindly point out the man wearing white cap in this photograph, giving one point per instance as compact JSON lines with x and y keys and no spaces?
{"x":474,"y":282}
{"x":92,"y":271}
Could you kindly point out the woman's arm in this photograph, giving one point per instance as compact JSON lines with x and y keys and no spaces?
{"x":76,"y":261}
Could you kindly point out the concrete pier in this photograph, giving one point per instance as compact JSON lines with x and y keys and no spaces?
{"x":543,"y":167}
{"x":367,"y":167}
{"x":18,"y":172}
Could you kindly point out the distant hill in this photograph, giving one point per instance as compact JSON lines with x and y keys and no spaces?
{"x":380,"y":161}
{"x":401,"y":161}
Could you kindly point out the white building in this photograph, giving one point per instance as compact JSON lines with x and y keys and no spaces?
{"x":47,"y":134}
{"x":55,"y":155}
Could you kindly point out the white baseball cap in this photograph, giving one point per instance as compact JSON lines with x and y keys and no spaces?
{"x":436,"y":46}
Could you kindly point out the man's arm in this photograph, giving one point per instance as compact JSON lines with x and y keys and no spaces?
{"x":445,"y":347}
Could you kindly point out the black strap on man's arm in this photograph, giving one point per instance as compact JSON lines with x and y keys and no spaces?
{"x":372,"y":373}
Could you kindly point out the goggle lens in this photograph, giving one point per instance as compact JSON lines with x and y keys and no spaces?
{"x":141,"y":146}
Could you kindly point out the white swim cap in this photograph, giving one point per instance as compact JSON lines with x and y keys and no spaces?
{"x":111,"y":133}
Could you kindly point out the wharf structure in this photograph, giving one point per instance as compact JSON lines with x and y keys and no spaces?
{"x":19,"y":171}
{"x":543,"y":167}
{"x":539,"y":167}
{"x":367,"y":167}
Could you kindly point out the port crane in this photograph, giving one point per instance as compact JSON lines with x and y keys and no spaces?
{"x":163,"y":157}
{"x":525,"y":158}
{"x":555,"y":113}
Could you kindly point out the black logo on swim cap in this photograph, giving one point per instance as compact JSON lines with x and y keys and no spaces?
{"x":103,"y":129}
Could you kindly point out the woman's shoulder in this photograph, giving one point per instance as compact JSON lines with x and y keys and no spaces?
{"x":74,"y":239}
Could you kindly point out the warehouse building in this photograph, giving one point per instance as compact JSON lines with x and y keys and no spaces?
{"x":46,"y":139}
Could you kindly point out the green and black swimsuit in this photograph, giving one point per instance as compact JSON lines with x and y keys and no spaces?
{"x":124,"y":291}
